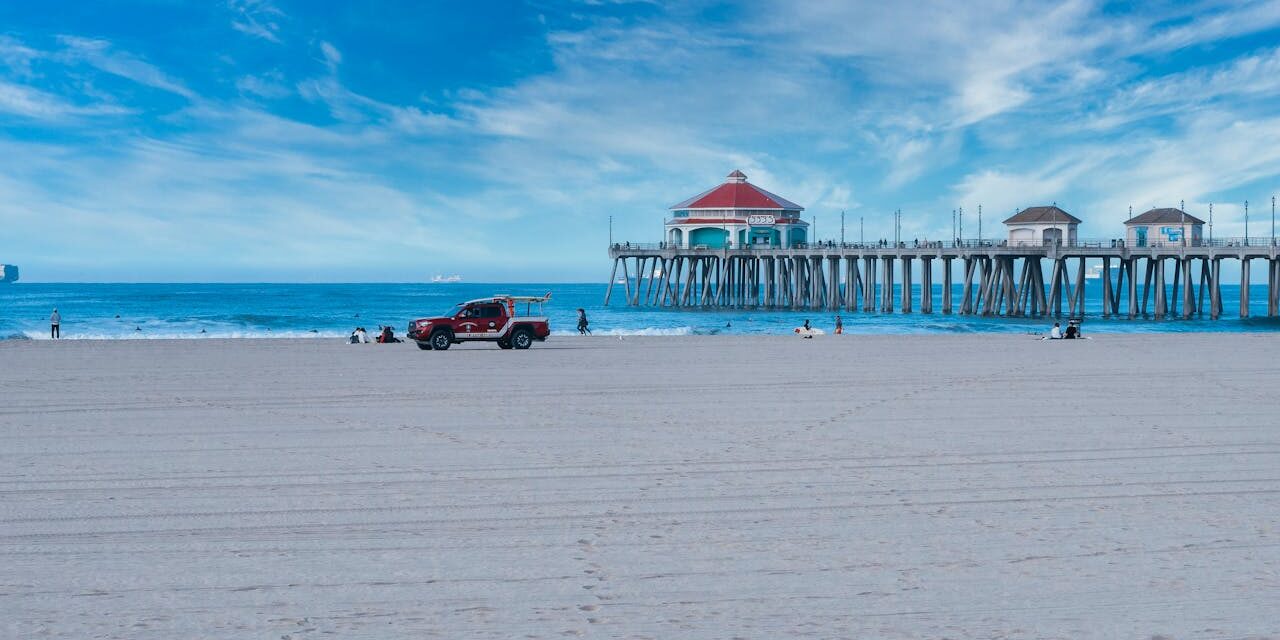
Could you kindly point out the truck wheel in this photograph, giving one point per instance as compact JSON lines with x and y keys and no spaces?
{"x":521,"y":339}
{"x":504,"y":343}
{"x":425,"y":346}
{"x":440,"y":340}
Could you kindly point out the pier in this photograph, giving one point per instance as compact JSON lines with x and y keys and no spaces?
{"x":737,"y":245}
{"x":995,"y":278}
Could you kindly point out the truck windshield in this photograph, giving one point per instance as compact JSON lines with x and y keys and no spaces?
{"x":453,"y":313}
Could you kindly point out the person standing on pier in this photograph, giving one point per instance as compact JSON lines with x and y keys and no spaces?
{"x":839,"y":326}
{"x":55,"y":325}
{"x":583,"y":329}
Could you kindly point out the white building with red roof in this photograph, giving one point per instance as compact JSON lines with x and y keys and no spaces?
{"x":736,"y":214}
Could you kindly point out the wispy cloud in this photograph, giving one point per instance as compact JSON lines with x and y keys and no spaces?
{"x":270,"y":84}
{"x":32,"y":103}
{"x":348,"y":106}
{"x":16,"y":55}
{"x":257,"y":18}
{"x":100,"y":54}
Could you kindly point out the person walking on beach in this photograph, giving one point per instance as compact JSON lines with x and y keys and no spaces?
{"x":583,"y":329}
{"x":839,"y":326}
{"x":55,"y":329}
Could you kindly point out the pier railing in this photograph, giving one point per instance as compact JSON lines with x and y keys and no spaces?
{"x":999,"y":277}
{"x":1088,"y":243}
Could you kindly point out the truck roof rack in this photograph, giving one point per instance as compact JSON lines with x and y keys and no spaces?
{"x":511,"y":298}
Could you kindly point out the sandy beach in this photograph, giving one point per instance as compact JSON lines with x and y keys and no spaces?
{"x":971,"y":486}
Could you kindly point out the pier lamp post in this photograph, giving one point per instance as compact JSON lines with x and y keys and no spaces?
{"x":961,"y":225}
{"x":1273,"y":221}
{"x":954,"y":237}
{"x":611,"y":231}
{"x":1182,"y":208}
{"x":842,"y":227}
{"x":1211,"y":224}
{"x":1246,"y":223}
{"x":979,"y":225}
{"x":860,"y":238}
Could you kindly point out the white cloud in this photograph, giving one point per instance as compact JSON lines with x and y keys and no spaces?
{"x":269,"y":85}
{"x":33,"y":103}
{"x":257,"y":18}
{"x":332,"y":57}
{"x":99,"y":54}
{"x":16,"y":56}
{"x":1184,"y":93}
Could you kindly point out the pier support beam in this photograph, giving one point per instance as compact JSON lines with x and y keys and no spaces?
{"x":926,"y":285}
{"x":906,"y":284}
{"x":1188,"y":291}
{"x":946,"y":285}
{"x":1244,"y":287}
{"x":1273,"y":285}
{"x":886,"y":287}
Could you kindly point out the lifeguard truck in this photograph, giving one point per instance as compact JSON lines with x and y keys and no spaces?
{"x":513,"y":322}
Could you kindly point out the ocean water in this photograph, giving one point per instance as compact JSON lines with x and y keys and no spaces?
{"x":151,"y":311}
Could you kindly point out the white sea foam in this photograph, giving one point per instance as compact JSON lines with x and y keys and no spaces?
{"x":181,"y":335}
{"x":643,"y":331}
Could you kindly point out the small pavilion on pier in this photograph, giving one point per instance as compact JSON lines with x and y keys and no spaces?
{"x":736,"y":214}
{"x":1168,"y":227}
{"x":1036,"y":226}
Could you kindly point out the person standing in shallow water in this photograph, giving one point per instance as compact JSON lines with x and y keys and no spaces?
{"x":55,"y":325}
{"x":839,"y":326}
{"x":583,"y":329}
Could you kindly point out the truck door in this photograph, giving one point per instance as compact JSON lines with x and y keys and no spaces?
{"x":493,"y":318}
{"x":468,"y":323}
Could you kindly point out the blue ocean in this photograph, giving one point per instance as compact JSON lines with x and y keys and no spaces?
{"x":156,"y":311}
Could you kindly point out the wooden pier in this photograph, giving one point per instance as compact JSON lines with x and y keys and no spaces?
{"x":996,"y":279}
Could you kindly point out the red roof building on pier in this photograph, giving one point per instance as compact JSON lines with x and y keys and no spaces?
{"x":736,"y":213}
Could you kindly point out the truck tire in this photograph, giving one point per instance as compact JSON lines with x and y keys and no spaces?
{"x":441,"y":340}
{"x":504,"y":343}
{"x":425,"y":346}
{"x":522,"y":339}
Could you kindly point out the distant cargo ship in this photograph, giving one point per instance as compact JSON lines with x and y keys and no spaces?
{"x":8,"y":273}
{"x":452,"y":278}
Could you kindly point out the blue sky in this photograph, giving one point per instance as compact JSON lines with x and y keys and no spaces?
{"x":266,"y":140}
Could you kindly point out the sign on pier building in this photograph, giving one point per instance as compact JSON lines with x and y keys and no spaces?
{"x":1163,"y":228}
{"x":736,"y":214}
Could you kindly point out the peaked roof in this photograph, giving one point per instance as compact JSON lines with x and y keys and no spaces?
{"x":1164,"y":216}
{"x":1042,"y":214}
{"x":736,"y":193}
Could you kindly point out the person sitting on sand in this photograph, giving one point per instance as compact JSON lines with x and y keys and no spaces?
{"x":1056,"y":332}
{"x":1072,"y":332}
{"x":387,"y":336}
{"x":359,"y":336}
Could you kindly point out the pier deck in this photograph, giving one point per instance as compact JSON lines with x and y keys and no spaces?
{"x":997,"y":279}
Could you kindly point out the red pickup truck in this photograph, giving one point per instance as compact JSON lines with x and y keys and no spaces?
{"x":514,"y":322}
